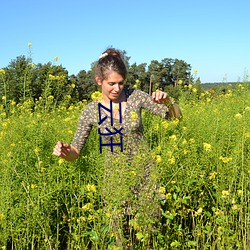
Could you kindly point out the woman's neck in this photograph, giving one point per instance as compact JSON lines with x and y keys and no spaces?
{"x":121,"y":98}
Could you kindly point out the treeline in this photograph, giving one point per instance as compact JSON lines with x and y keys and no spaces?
{"x":22,"y":79}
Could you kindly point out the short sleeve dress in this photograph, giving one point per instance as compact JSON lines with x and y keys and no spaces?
{"x":131,"y":127}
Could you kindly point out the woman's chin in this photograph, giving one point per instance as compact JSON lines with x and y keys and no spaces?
{"x":113,"y":96}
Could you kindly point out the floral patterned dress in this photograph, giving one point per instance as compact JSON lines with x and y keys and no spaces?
{"x":132,"y":171}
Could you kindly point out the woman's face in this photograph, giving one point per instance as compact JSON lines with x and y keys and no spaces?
{"x":112,"y":86}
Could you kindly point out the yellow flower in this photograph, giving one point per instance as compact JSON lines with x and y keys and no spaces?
{"x":50,"y":97}
{"x":175,"y":122}
{"x":184,"y":141}
{"x":116,"y":107}
{"x":225,"y":193}
{"x":225,"y":159}
{"x":91,"y":188}
{"x":191,"y":140}
{"x":2,"y":72}
{"x":235,"y":207}
{"x":37,"y":149}
{"x":135,"y":86}
{"x":207,"y":147}
{"x":4,"y":124}
{"x":212,"y":175}
{"x":2,"y":217}
{"x":162,"y":190}
{"x":108,"y":215}
{"x":239,"y":192}
{"x":195,"y":71}
{"x":171,"y":160}
{"x":158,"y":159}
{"x":29,"y":44}
{"x":164,"y":124}
{"x":87,"y":207}
{"x":168,"y":196}
{"x":61,"y":161}
{"x":173,"y":137}
{"x":51,"y":77}
{"x":238,"y":116}
{"x":3,"y":97}
{"x":218,"y":212}
{"x":156,"y":127}
{"x":96,"y":96}
{"x":133,"y":116}
{"x":133,"y":173}
{"x":194,"y":90}
{"x":137,"y":80}
{"x":198,"y":212}
{"x":180,"y":82}
{"x":56,"y":58}
{"x":90,"y":217}
{"x":73,"y":85}
{"x":190,"y":86}
{"x":246,"y":108}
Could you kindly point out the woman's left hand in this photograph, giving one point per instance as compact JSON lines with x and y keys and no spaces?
{"x":161,"y":97}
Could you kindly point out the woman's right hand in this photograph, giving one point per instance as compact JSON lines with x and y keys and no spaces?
{"x":66,"y":151}
{"x":62,"y":149}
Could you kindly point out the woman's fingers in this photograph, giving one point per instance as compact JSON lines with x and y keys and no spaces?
{"x":160,"y":97}
{"x":61,"y":149}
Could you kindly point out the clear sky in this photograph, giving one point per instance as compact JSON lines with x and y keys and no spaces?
{"x":212,"y":36}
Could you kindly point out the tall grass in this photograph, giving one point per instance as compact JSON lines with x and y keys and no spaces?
{"x":202,"y":164}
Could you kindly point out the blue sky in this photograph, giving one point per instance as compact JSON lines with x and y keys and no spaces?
{"x":212,"y":36}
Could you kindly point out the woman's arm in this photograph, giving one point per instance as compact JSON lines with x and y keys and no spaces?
{"x":70,"y":152}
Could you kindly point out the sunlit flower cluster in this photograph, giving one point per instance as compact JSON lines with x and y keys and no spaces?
{"x":91,"y":188}
{"x":225,"y":193}
{"x":238,"y":116}
{"x":225,"y":159}
{"x":133,"y":116}
{"x":96,"y":96}
{"x":2,"y":72}
{"x":207,"y":147}
{"x":57,"y":78}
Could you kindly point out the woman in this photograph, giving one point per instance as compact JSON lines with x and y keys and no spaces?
{"x":110,"y":74}
{"x":118,"y":118}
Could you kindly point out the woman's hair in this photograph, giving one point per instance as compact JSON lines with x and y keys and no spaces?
{"x":110,"y":60}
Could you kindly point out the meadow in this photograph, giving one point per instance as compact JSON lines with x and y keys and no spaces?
{"x":202,"y":164}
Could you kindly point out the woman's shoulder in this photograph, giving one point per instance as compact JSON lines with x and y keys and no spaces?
{"x":136,"y":93}
{"x":90,"y":108}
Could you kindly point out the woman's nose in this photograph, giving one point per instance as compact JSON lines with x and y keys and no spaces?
{"x":116,"y":87}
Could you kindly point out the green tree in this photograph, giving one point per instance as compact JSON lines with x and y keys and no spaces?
{"x":52,"y":80}
{"x":86,"y":84}
{"x":18,"y":79}
{"x":138,"y":73}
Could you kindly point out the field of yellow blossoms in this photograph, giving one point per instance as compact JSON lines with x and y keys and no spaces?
{"x":202,"y":165}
